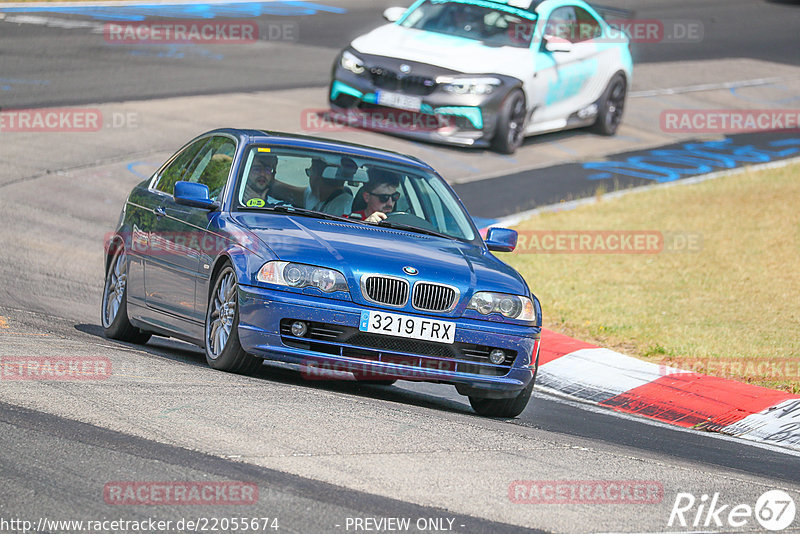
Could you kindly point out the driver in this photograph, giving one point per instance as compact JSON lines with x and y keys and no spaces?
{"x":261,"y":178}
{"x":380,"y":195}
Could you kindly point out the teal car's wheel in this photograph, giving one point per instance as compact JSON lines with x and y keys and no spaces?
{"x":222,"y":347}
{"x":510,"y":131}
{"x":611,"y":106}
{"x":114,"y":307}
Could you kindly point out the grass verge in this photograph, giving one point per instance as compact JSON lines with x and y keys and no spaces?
{"x":721,"y":298}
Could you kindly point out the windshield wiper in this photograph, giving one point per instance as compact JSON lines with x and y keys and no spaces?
{"x":300,"y":211}
{"x":410,"y":228}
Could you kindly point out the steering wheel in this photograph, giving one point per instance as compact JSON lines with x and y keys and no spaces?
{"x":404,"y":217}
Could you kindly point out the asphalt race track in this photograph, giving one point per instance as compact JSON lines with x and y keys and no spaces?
{"x":327,"y":456}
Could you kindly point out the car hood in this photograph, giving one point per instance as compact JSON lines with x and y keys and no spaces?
{"x":454,"y":53}
{"x":356,"y":249}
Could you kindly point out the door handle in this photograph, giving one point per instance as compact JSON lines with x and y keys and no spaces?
{"x":160,"y":211}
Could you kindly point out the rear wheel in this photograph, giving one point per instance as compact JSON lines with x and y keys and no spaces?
{"x":611,"y":106}
{"x":223,"y":350}
{"x":510,"y":407}
{"x":510,"y":132}
{"x":114,"y":308}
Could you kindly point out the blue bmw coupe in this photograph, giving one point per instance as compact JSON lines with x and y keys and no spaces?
{"x":341,"y":259}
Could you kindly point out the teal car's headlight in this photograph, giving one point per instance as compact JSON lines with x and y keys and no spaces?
{"x":469,"y":86}
{"x":352,"y":62}
{"x":300,"y":275}
{"x":511,"y":306}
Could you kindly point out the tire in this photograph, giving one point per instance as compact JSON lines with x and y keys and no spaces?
{"x":510,"y":132}
{"x":222,"y":347}
{"x":506,"y":408}
{"x":611,"y":106}
{"x":114,"y":306}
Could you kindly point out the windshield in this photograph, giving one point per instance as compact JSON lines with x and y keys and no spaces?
{"x":364,"y":190}
{"x":492,"y":24}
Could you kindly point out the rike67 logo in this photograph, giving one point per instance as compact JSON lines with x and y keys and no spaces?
{"x":774,"y":511}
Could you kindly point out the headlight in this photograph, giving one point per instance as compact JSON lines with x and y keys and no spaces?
{"x":468,"y":86}
{"x":511,"y":306}
{"x":299,"y":275}
{"x":352,"y":62}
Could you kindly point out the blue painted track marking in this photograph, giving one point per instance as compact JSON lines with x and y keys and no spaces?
{"x":285,"y":8}
{"x":7,"y":84}
{"x":691,"y":159}
{"x":177,"y":51}
{"x":132,"y":168}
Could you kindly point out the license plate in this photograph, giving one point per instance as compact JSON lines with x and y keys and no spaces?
{"x":392,"y":324}
{"x":396,"y":100}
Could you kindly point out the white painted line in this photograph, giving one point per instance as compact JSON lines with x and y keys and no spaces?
{"x":704,"y":87}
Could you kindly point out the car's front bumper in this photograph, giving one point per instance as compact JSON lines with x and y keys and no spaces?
{"x":264,"y":315}
{"x":458,"y":119}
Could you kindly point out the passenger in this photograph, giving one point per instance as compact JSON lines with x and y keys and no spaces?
{"x":380,"y":195}
{"x":324,"y":194}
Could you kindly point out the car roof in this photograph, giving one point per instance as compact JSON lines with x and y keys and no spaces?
{"x":251,"y":136}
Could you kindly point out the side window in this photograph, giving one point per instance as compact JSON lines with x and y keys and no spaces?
{"x":563,"y":23}
{"x":588,"y":27}
{"x":178,"y":169}
{"x":212,"y":165}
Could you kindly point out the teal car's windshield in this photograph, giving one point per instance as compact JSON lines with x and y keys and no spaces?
{"x":488,"y":22}
{"x":363,"y":190}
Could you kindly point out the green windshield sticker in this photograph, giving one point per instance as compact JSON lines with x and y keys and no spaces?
{"x":256,"y":203}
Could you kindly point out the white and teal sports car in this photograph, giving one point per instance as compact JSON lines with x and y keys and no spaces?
{"x":487,"y":72}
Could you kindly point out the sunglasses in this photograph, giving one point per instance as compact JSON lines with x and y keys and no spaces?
{"x":385,"y":197}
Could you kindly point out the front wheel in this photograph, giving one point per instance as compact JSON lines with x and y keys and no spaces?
{"x":114,"y":308}
{"x":506,"y":408}
{"x":611,"y":106}
{"x":510,"y":132}
{"x":223,"y":350}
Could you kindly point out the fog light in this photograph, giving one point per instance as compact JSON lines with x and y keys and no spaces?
{"x":497,"y":356}
{"x":299,"y":329}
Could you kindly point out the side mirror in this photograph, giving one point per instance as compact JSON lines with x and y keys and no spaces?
{"x":557,"y":44}
{"x":393,"y":14}
{"x":501,"y":239}
{"x":194,"y":195}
